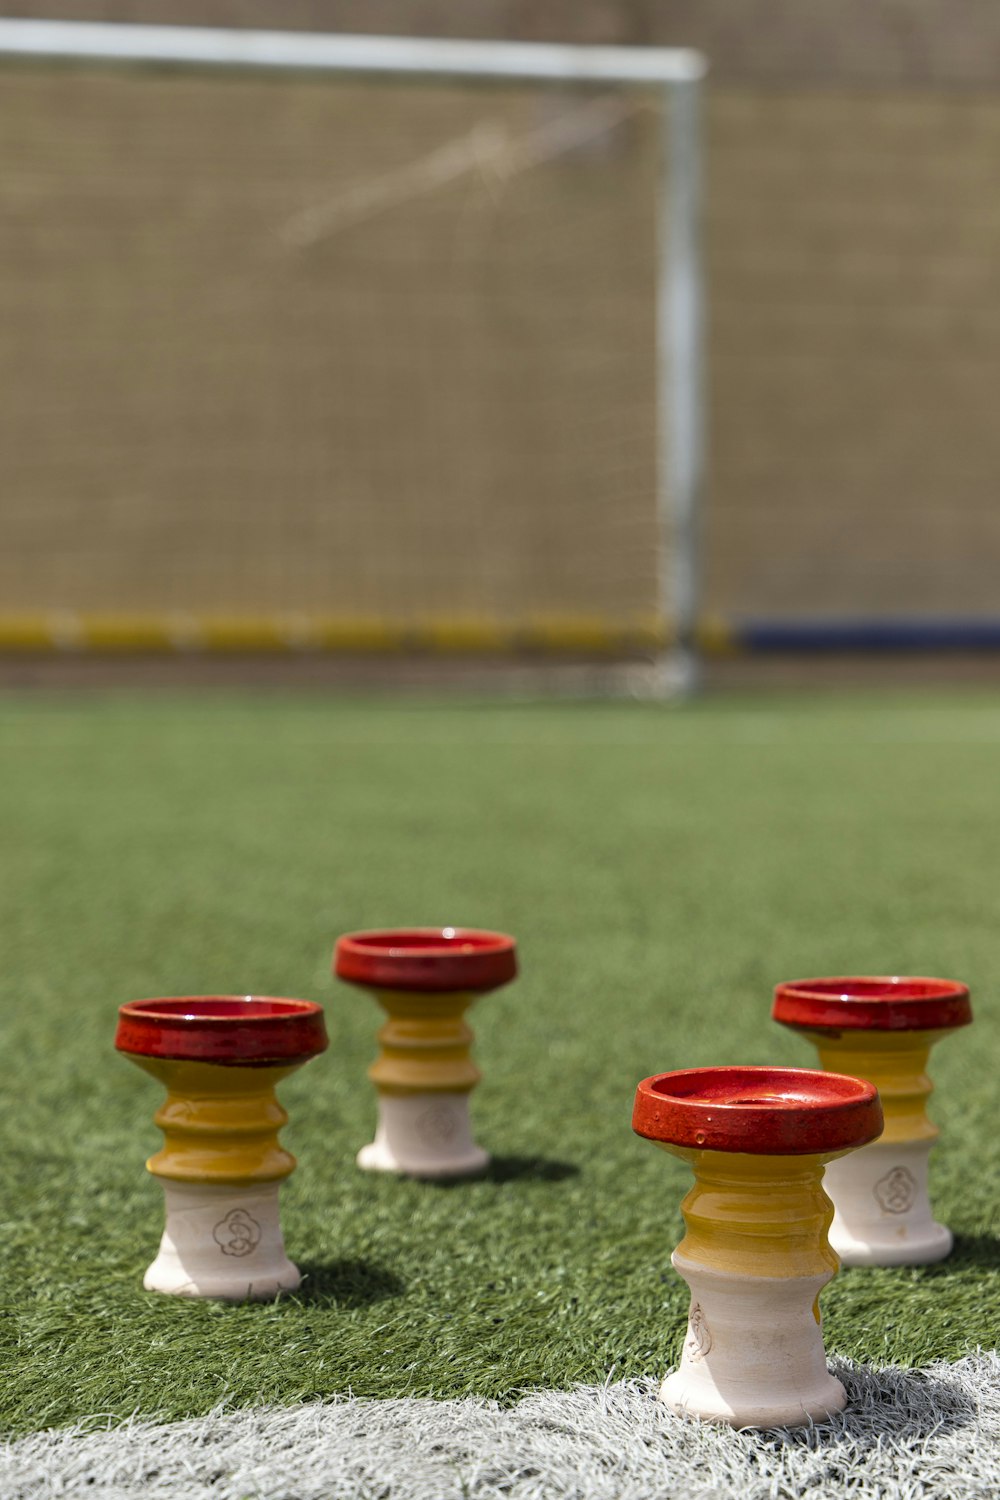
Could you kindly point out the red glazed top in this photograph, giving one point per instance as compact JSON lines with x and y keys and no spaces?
{"x":758,"y":1111}
{"x":873,"y":1004}
{"x":426,"y":958}
{"x":229,"y":1029}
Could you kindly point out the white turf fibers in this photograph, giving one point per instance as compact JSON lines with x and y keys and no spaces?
{"x":930,"y":1434}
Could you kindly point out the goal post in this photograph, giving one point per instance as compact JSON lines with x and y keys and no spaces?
{"x":539,"y":399}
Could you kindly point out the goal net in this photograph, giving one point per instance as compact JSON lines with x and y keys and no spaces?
{"x":300,"y":359}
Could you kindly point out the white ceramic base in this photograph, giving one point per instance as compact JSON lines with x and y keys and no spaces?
{"x":424,"y":1135}
{"x":222,"y":1241}
{"x":754,"y":1355}
{"x":883,"y":1214}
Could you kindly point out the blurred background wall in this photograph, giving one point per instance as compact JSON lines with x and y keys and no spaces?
{"x":853,"y":260}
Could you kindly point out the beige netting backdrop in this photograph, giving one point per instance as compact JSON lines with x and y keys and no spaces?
{"x":301,"y":347}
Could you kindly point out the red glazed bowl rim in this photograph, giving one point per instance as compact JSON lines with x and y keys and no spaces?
{"x":426,"y":958}
{"x":873,"y":1002}
{"x":758,"y":1111}
{"x":230,"y":1029}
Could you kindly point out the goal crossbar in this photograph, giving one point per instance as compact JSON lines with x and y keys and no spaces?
{"x":327,"y":52}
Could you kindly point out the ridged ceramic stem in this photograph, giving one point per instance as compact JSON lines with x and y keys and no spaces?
{"x":220,"y":1123}
{"x":758,"y":1215}
{"x":755,"y":1256}
{"x":896,"y":1063}
{"x":220,"y":1167}
{"x":883,"y":1211}
{"x":424,"y":1044}
{"x":424,"y":1075}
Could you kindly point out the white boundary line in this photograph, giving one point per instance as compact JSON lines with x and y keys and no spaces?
{"x":932,"y":1433}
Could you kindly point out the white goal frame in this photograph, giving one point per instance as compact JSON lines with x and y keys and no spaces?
{"x":677,"y":73}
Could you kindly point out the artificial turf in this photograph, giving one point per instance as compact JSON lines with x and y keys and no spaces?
{"x":661,"y":867}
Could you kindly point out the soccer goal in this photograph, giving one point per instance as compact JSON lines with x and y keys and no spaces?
{"x":348,"y":343}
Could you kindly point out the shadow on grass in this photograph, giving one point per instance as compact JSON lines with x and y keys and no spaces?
{"x":901,"y":1406}
{"x":972,"y":1252}
{"x":347,"y":1283}
{"x":909,"y":1405}
{"x":513,"y":1169}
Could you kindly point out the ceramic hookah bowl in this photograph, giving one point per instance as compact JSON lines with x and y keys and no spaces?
{"x":425,"y":979}
{"x":219,"y":1058}
{"x":755,"y":1253}
{"x":882,"y":1029}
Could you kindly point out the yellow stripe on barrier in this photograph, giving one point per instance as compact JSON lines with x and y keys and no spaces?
{"x":593,"y":633}
{"x":30,"y":633}
{"x":716,"y":637}
{"x":126,"y":633}
{"x":156,"y":632}
{"x":457,"y":635}
{"x":362,"y":636}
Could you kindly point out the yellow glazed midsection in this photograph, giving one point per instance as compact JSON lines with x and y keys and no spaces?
{"x":220,"y":1124}
{"x":896,"y":1063}
{"x":424,"y":1044}
{"x":757,"y":1215}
